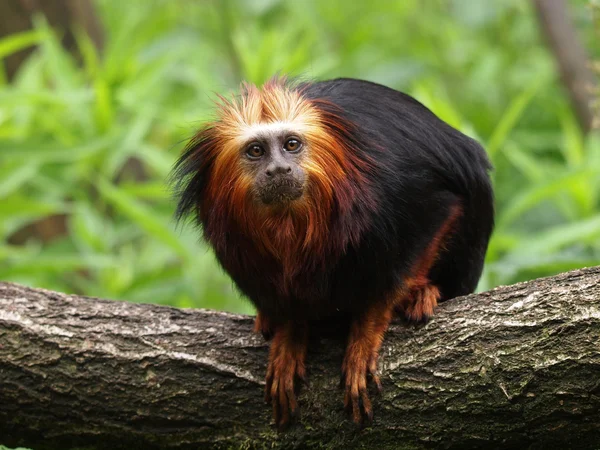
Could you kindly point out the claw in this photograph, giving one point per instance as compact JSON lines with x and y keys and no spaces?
{"x":373,"y":374}
{"x":377,"y":381}
{"x":356,"y":397}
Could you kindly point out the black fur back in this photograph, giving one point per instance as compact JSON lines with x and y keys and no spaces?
{"x":426,"y":165}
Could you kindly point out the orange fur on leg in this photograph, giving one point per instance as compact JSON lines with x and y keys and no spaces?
{"x":366,"y":336}
{"x":286,"y":362}
{"x":420,"y":302}
{"x":419,"y":297}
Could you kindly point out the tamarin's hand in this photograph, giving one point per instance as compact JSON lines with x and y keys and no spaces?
{"x":332,"y":199}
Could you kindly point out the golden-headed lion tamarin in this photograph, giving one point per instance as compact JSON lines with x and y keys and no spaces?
{"x":341,"y":196}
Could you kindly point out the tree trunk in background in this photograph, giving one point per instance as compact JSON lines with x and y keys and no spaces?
{"x":16,"y":16}
{"x":516,"y":367}
{"x":573,"y":64}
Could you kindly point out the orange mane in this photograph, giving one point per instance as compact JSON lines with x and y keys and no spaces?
{"x":301,"y":235}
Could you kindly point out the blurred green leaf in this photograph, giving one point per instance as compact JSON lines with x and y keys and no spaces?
{"x":19,"y":206}
{"x":537,"y":193}
{"x":525,"y":162}
{"x":88,"y":228}
{"x":13,"y":176}
{"x":510,"y":118}
{"x":141,"y":215}
{"x":557,"y":237}
{"x":19,"y":41}
{"x":51,"y":153}
{"x":53,"y":264}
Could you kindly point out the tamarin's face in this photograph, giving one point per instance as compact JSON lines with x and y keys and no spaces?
{"x":272,"y":157}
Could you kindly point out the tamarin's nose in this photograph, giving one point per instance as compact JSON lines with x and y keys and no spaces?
{"x":278,"y":168}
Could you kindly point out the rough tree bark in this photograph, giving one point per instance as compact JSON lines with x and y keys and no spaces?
{"x":516,"y":367}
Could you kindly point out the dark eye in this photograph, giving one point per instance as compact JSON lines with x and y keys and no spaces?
{"x":292,"y":145}
{"x":255,"y":151}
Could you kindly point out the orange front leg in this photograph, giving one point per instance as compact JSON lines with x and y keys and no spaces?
{"x":286,"y":363}
{"x":366,"y":336}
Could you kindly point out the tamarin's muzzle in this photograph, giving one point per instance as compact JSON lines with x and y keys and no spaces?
{"x":280,"y":188}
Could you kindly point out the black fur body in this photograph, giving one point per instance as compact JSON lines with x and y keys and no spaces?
{"x":419,"y":168}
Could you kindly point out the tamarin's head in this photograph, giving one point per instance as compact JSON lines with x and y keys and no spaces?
{"x":270,"y":152}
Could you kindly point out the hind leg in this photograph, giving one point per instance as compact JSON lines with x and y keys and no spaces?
{"x":419,"y":303}
{"x":420,"y":295}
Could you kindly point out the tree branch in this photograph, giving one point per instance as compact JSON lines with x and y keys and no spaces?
{"x":516,"y":367}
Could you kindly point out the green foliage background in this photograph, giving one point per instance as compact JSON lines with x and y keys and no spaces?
{"x":67,"y":131}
